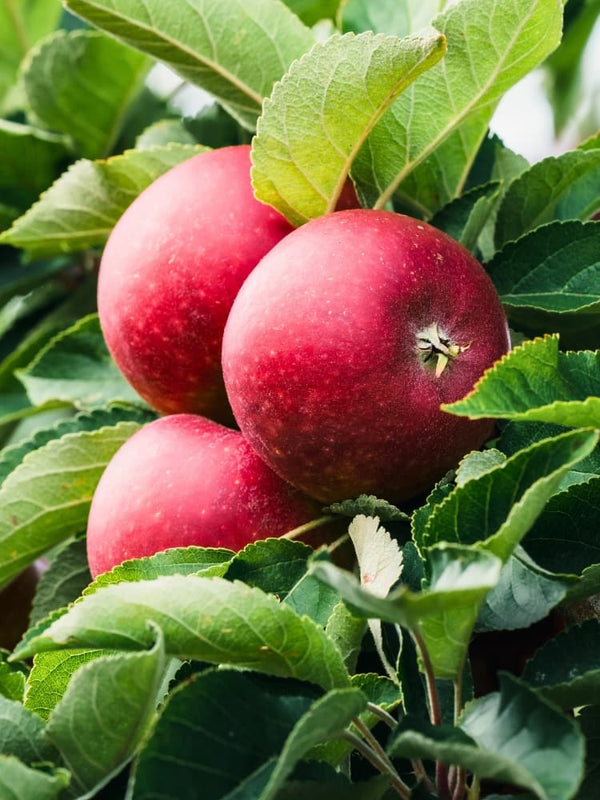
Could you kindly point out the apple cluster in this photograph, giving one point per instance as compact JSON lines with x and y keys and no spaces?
{"x":291,"y":367}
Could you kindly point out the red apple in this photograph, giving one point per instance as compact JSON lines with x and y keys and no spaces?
{"x":170,"y":271}
{"x":186,"y":480}
{"x":344,"y":341}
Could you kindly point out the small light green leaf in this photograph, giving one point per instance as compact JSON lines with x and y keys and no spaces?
{"x":81,"y":208}
{"x":520,"y":486}
{"x":491,"y":45}
{"x":234,"y":50}
{"x":76,"y":367}
{"x":346,"y":631}
{"x":566,"y":670}
{"x":511,"y":736}
{"x":557,"y":188}
{"x":29,"y":162}
{"x":525,"y":594}
{"x":60,"y":80}
{"x":104,"y":713}
{"x":477,"y":463}
{"x":311,"y":11}
{"x":50,"y":676}
{"x":208,"y":619}
{"x":554,"y":269}
{"x":443,"y":614}
{"x":12,"y":678}
{"x":536,"y":381}
{"x":370,"y":506}
{"x":22,"y":734}
{"x":219,"y":730}
{"x":163,"y":132}
{"x":22,"y":23}
{"x":328,"y":103}
{"x":46,"y":499}
{"x":63,"y":581}
{"x":20,"y":782}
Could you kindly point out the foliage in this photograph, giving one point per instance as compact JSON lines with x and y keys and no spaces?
{"x":276,"y":672}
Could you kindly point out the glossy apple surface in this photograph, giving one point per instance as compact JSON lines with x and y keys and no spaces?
{"x":186,"y":480}
{"x":344,"y":341}
{"x":170,"y":271}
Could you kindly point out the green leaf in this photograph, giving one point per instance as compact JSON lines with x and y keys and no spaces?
{"x":536,"y":381}
{"x":552,"y":271}
{"x":19,"y":782}
{"x":219,"y":730}
{"x":60,"y":79}
{"x":342,"y":87}
{"x":565,"y":537}
{"x":443,"y":614}
{"x":517,"y":436}
{"x":29,"y":161}
{"x":525,"y":594}
{"x":209,"y":619}
{"x":76,"y":367}
{"x":520,"y":486}
{"x":46,"y":499}
{"x":236,"y":51}
{"x":63,"y":581}
{"x":12,"y":678}
{"x":511,"y":736}
{"x":311,"y":11}
{"x":346,"y":631}
{"x":163,"y":132}
{"x":566,"y":670}
{"x":22,"y":734}
{"x":81,"y":208}
{"x":370,"y":506}
{"x":50,"y":675}
{"x":477,"y":463}
{"x":589,"y":720}
{"x":491,"y":45}
{"x":326,"y":719}
{"x":22,"y":23}
{"x":399,"y":17}
{"x":273,"y":565}
{"x":557,"y":188}
{"x":465,"y":217}
{"x":104,"y":713}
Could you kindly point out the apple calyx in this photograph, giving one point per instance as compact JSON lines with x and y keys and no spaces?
{"x":433,"y":344}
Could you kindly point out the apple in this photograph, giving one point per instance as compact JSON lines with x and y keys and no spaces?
{"x":170,"y":271}
{"x":343,"y":343}
{"x":186,"y":480}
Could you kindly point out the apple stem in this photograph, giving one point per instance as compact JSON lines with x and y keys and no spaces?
{"x":308,"y":526}
{"x":379,"y":759}
{"x":433,"y":344}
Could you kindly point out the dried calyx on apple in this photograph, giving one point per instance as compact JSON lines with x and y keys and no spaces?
{"x":437,"y":348}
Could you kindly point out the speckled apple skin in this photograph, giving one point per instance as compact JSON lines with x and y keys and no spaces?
{"x":186,"y":480}
{"x":169,"y":273}
{"x":320,"y":358}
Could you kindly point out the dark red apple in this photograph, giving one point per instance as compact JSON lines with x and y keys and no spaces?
{"x":344,"y":342}
{"x":186,"y":480}
{"x":170,"y":271}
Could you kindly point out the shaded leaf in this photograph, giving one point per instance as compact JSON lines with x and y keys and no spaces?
{"x":12,"y":678}
{"x":20,"y":782}
{"x":81,"y":208}
{"x":370,"y":506}
{"x":208,"y":619}
{"x":196,"y":41}
{"x":557,"y":188}
{"x":22,"y":734}
{"x":76,"y":367}
{"x":63,"y":581}
{"x":589,"y":719}
{"x":60,"y":79}
{"x":537,"y":382}
{"x":342,"y":87}
{"x":566,"y":670}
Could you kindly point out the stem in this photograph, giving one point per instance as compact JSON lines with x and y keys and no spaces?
{"x":383,"y":715}
{"x":382,"y":766}
{"x":461,"y":782}
{"x":473,"y":790}
{"x":308,"y":526}
{"x":457,"y":697}
{"x":435,"y":711}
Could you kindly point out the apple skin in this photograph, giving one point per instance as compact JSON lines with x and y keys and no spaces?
{"x":170,"y":271}
{"x":185,"y":480}
{"x":321,"y":358}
